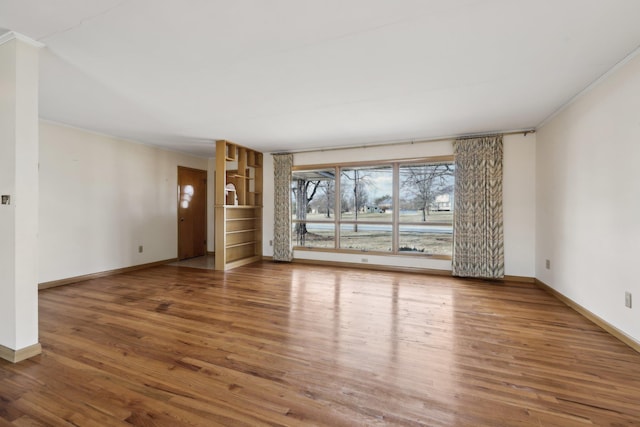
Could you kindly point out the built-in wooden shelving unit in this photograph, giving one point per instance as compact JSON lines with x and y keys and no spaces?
{"x":238,"y":213}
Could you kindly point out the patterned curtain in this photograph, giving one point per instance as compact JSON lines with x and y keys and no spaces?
{"x":478,"y":241}
{"x":282,"y":164}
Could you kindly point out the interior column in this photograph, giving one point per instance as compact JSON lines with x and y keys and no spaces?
{"x":19,"y":197}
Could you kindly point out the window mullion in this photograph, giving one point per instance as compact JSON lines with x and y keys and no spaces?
{"x":337,"y":211}
{"x":396,"y":208}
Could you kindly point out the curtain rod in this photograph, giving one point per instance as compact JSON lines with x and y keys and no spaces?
{"x":412,"y":142}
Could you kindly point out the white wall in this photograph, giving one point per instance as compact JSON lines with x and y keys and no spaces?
{"x":519,"y":201}
{"x":588,"y":199}
{"x":519,"y":189}
{"x":100,"y":198}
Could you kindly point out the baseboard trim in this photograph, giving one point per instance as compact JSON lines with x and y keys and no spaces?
{"x":15,"y":356}
{"x":519,"y":279}
{"x":76,"y":279}
{"x":617,"y":333}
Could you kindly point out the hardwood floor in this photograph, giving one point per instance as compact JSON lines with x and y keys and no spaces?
{"x":276,"y":344}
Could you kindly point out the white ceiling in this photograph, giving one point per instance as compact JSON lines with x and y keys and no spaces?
{"x":299,"y":74}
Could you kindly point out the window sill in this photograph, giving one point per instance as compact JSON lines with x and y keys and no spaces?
{"x":375,"y":253}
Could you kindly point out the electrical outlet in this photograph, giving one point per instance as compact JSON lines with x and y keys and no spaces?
{"x":547,"y":264}
{"x":627,"y":299}
{"x":270,"y":242}
{"x":140,"y":249}
{"x":365,"y":259}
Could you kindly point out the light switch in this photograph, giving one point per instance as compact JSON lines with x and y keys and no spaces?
{"x":6,"y":199}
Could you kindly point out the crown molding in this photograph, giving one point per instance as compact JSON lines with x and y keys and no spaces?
{"x":12,"y":35}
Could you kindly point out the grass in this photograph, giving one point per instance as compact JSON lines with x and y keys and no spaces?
{"x":380,"y":240}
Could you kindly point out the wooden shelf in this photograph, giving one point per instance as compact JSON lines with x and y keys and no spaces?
{"x":247,"y":207}
{"x":254,"y":159}
{"x":238,"y":226}
{"x":235,"y":245}
{"x":231,"y":152}
{"x":255,"y":198}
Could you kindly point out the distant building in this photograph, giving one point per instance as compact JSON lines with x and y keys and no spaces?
{"x":443,"y":202}
{"x":374,"y":209}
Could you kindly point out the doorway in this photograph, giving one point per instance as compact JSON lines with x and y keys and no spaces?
{"x":192,"y":212}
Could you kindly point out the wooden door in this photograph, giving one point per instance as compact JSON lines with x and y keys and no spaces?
{"x":192,"y":212}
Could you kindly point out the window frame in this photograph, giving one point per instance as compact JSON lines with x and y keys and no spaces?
{"x":395,"y":223}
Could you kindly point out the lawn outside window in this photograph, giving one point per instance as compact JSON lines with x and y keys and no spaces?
{"x":402,"y":207}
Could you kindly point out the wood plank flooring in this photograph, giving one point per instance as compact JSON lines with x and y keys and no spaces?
{"x":293,"y":345}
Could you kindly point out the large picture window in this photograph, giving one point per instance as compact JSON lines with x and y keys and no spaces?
{"x":397,"y":207}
